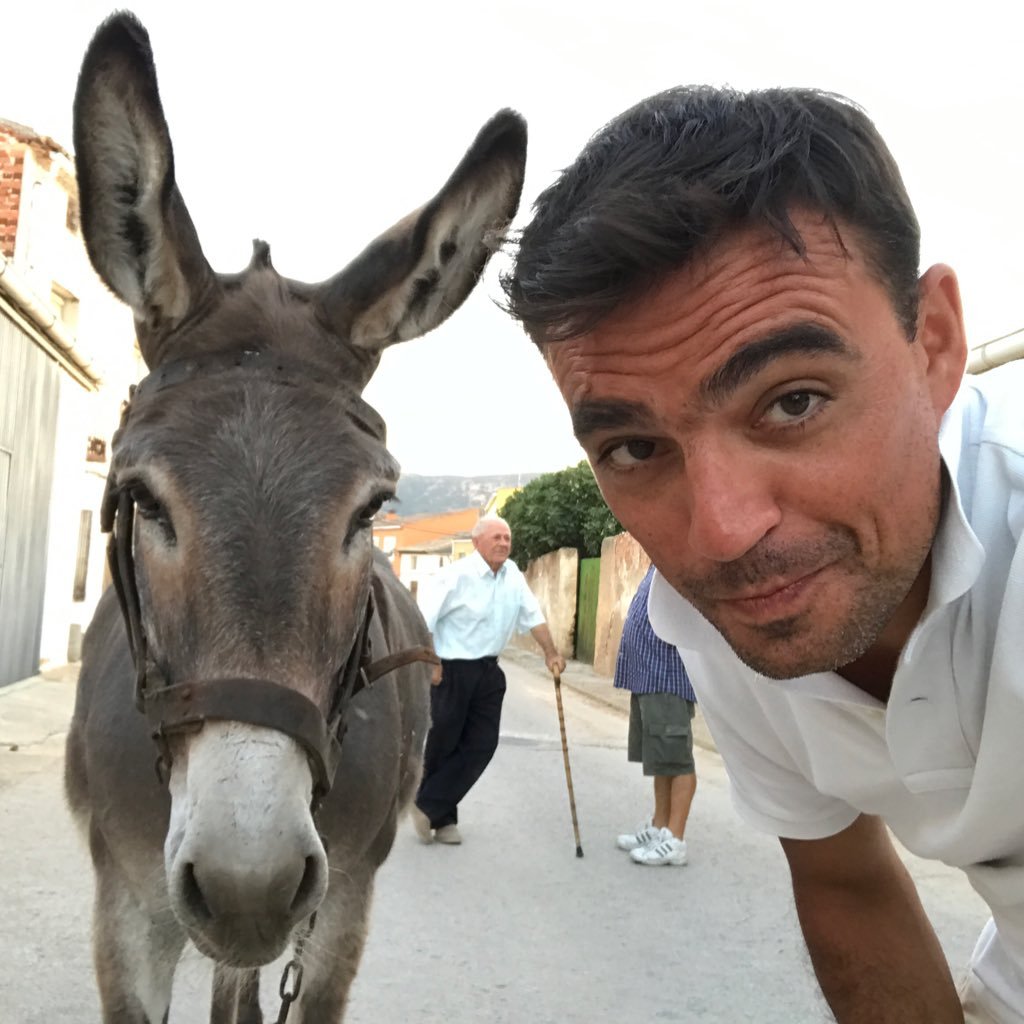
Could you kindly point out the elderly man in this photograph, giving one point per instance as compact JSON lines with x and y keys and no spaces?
{"x":472,"y":607}
{"x":726,"y":288}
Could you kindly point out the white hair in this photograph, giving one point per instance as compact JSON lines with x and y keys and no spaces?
{"x":481,"y":524}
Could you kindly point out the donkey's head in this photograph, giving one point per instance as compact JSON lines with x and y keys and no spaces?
{"x":253,"y":469}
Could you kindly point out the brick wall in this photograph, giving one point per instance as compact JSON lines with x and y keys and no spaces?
{"x":12,"y":166}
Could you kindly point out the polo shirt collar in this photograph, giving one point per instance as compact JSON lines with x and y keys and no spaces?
{"x":481,"y":568}
{"x":957,"y":554}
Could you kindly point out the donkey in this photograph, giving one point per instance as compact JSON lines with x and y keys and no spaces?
{"x":250,"y":614}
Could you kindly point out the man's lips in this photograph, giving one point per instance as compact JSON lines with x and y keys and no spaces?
{"x":777,"y":597}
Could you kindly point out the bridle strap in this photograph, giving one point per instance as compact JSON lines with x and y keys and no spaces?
{"x":351,"y":676}
{"x":119,"y":520}
{"x":184,"y":707}
{"x":382,"y":666}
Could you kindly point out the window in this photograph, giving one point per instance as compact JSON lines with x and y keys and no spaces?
{"x":65,"y":305}
{"x":96,"y":450}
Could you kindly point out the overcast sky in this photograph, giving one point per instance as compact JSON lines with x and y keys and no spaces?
{"x":316,"y":126}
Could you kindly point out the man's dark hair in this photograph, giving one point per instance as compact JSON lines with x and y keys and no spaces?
{"x":667,"y":179}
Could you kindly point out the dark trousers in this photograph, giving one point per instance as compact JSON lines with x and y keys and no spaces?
{"x":465,"y":709}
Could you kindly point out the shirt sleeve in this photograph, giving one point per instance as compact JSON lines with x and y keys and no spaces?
{"x":530,"y":614}
{"x":433,"y":597}
{"x":769,"y":790}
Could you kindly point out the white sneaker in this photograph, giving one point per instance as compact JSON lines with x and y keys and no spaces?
{"x":634,"y":840}
{"x":665,"y":850}
{"x":448,"y":834}
{"x":421,"y":823}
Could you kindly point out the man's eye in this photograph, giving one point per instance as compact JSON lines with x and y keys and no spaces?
{"x":630,"y":453}
{"x":794,"y":406}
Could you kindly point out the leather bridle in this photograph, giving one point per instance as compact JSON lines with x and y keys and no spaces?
{"x":173,"y":708}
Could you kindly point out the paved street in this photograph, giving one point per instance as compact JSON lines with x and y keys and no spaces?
{"x":508,"y":928}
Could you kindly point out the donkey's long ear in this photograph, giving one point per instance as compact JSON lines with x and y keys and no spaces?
{"x":137,"y":231}
{"x":414,"y":276}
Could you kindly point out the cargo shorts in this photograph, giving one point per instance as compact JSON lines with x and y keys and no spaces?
{"x":660,"y":733}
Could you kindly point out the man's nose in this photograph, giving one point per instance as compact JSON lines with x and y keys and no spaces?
{"x":732,"y":504}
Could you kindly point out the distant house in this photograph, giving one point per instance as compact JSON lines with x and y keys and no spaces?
{"x":385,"y":533}
{"x":67,"y":356}
{"x":420,"y":545}
{"x":497,"y":500}
{"x":418,"y":561}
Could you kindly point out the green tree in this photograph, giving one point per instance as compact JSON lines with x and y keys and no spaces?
{"x":559,"y":510}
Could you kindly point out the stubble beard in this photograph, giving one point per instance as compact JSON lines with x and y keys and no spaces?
{"x":814,"y":641}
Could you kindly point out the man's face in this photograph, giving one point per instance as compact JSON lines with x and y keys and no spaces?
{"x":762,"y":426}
{"x":494,"y":543}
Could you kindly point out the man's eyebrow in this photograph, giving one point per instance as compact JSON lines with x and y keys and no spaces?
{"x":744,"y":363}
{"x":594,"y":415}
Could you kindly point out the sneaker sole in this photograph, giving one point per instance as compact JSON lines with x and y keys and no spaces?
{"x":421,"y":823}
{"x":668,"y":862}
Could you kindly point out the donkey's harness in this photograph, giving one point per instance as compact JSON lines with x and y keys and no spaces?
{"x":172,"y":708}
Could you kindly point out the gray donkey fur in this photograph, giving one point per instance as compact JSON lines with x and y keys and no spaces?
{"x":254,"y":488}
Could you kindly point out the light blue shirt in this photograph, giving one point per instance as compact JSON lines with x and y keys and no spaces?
{"x":473,"y":612}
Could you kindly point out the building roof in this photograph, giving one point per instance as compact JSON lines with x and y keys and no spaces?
{"x":393,"y":520}
{"x":30,"y":137}
{"x":435,"y":547}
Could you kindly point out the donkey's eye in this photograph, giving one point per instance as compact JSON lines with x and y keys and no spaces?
{"x":151,"y":508}
{"x":145,"y":504}
{"x":372,"y":507}
{"x":363,"y":519}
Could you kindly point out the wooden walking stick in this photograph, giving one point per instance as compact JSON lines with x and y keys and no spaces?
{"x":565,"y":756}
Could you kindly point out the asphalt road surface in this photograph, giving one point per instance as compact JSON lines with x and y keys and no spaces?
{"x":509,"y":928}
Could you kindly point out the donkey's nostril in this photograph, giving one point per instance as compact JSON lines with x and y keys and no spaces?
{"x":308,"y":890}
{"x":193,"y":895}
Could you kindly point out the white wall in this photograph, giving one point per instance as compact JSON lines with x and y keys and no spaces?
{"x":426,"y":565}
{"x":48,"y":253}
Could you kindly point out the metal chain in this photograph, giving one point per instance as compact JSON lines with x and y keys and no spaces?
{"x":291,"y":977}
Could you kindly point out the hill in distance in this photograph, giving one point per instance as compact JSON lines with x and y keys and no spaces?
{"x":425,"y":495}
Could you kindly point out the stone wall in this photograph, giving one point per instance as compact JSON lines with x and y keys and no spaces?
{"x":552,"y":579}
{"x":623,"y":565}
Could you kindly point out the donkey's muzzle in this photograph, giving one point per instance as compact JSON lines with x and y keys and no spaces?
{"x":247,"y":921}
{"x":244,"y":862}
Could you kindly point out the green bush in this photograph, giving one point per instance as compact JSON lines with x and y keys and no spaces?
{"x":559,"y":510}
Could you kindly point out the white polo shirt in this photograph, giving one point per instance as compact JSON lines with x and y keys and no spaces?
{"x":472,"y":612}
{"x":943,"y":762}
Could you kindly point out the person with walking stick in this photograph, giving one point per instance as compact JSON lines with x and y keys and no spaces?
{"x":472,"y":608}
{"x":660,"y":736}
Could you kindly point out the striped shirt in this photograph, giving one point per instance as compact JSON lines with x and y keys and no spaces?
{"x":646,"y":664}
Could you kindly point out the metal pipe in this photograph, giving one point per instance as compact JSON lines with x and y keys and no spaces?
{"x":996,"y":352}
